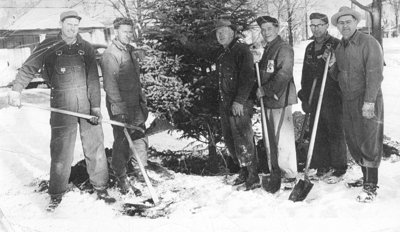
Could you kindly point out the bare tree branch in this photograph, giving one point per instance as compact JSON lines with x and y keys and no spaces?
{"x":355,"y":2}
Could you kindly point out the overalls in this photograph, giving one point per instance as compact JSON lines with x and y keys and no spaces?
{"x":69,"y":92}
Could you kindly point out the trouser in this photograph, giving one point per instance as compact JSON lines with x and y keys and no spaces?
{"x":122,"y":153}
{"x":364,"y":137}
{"x":62,"y":147}
{"x":284,"y":133}
{"x":238,"y":134}
{"x":330,"y":145}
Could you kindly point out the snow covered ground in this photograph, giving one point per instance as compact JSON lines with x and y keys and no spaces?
{"x":201,"y":203}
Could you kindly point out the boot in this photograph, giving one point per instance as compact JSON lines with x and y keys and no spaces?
{"x":54,"y":202}
{"x":243,"y":174}
{"x":126,"y":187}
{"x":252,"y":181}
{"x":103,"y":195}
{"x":368,"y":193}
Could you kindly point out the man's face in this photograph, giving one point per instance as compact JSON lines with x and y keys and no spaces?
{"x":318,"y":28}
{"x":269,"y":32}
{"x":70,"y":27}
{"x":347,"y":25}
{"x":124,"y":34}
{"x":224,"y":36}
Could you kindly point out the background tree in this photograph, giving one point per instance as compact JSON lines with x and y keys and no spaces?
{"x":396,"y":8}
{"x":375,"y":12}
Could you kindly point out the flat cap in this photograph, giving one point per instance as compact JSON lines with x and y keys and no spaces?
{"x":266,"y":19}
{"x":320,"y":16}
{"x":69,"y":14}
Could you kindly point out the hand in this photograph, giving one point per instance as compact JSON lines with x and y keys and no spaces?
{"x":14,"y":98}
{"x":306,"y":107}
{"x":96,"y":112}
{"x":368,"y":110}
{"x":121,"y":118}
{"x":237,"y":109}
{"x":257,"y":51}
{"x":332,"y":60}
{"x":260,"y":93}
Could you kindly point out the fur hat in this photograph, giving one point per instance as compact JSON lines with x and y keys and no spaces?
{"x":345,"y":10}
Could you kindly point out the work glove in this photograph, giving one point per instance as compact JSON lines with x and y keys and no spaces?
{"x":14,"y":98}
{"x":368,"y":110}
{"x":96,"y":112}
{"x":326,"y":54}
{"x":237,"y":109}
{"x":121,"y":118}
{"x":306,"y":107}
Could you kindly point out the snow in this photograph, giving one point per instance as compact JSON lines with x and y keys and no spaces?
{"x":200,"y":203}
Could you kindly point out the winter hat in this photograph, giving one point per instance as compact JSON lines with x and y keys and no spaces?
{"x":320,"y":16}
{"x":69,"y":14}
{"x":224,"y":23}
{"x":267,"y":19}
{"x":345,"y":10}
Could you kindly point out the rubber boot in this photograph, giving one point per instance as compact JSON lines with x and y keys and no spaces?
{"x":370,"y":185}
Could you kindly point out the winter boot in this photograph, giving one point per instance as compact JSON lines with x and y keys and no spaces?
{"x":252,"y":181}
{"x":243,"y":174}
{"x":126,"y":187}
{"x":54,"y":202}
{"x":103,"y":195}
{"x":355,"y":183}
{"x":336,"y":176}
{"x":368,"y":193}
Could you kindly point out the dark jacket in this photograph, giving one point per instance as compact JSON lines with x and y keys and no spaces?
{"x":121,"y":72}
{"x":360,"y":67}
{"x":313,"y":68}
{"x":235,"y":68}
{"x":276,"y":70}
{"x":44,"y":58}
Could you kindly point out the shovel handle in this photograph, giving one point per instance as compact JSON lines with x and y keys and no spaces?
{"x":144,"y":173}
{"x":307,"y":117}
{"x":86,"y":116}
{"x":316,"y":120}
{"x":263,"y":121}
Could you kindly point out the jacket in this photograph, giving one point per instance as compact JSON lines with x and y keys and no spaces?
{"x":44,"y":59}
{"x":359,"y":67}
{"x":235,"y":69}
{"x":313,"y":68}
{"x":276,"y":70}
{"x":121,"y":75}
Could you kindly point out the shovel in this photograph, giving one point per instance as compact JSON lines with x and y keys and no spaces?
{"x":303,"y":187}
{"x":270,"y":182}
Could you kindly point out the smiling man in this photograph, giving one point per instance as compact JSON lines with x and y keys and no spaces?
{"x":69,"y":66}
{"x":359,"y":70}
{"x":329,"y":156}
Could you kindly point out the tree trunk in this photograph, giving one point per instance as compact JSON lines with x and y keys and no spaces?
{"x":376,"y":16}
{"x":290,"y":27}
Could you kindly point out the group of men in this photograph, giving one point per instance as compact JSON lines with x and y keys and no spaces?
{"x":352,"y":110}
{"x":69,"y":65}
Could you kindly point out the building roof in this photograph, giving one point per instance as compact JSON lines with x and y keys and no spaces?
{"x":45,"y":18}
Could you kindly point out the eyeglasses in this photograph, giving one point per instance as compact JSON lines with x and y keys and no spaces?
{"x":342,"y":23}
{"x":313,"y":26}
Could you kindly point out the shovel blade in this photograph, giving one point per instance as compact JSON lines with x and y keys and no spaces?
{"x":301,"y":190}
{"x":270,"y":182}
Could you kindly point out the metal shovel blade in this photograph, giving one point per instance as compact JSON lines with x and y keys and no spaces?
{"x":270,"y":182}
{"x":301,"y":190}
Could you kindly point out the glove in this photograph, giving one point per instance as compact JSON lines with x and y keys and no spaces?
{"x":137,"y":134}
{"x":306,"y":107}
{"x":14,"y":98}
{"x":326,"y":54}
{"x":96,"y":112}
{"x":237,"y":109}
{"x":368,"y":110}
{"x":261,"y":93}
{"x":121,"y":118}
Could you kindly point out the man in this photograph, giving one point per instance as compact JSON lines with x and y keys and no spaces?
{"x":235,"y":68}
{"x":359,"y":67}
{"x":69,"y":66}
{"x":279,"y":93}
{"x":125,"y":100}
{"x":329,"y":157}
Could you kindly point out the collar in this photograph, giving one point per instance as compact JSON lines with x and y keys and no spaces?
{"x":121,"y":46}
{"x":273,"y":42}
{"x":354,"y":39}
{"x":78,"y":41}
{"x":326,"y":38}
